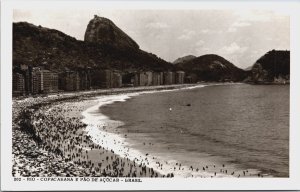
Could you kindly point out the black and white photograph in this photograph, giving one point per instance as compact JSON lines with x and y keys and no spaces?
{"x":125,"y":94}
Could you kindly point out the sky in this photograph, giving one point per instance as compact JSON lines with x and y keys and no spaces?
{"x":241,"y":37}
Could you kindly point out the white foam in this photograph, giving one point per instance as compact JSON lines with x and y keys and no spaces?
{"x":96,"y":122}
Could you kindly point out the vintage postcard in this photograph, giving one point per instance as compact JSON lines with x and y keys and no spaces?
{"x":123,"y":95}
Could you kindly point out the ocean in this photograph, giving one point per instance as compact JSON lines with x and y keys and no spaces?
{"x":215,"y":130}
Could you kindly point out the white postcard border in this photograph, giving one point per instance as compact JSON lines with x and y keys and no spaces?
{"x":291,"y":183}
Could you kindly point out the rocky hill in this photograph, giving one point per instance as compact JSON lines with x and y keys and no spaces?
{"x":104,"y":31}
{"x":273,"y":67}
{"x":212,"y":68}
{"x":36,"y":46}
{"x":248,"y":68}
{"x":184,"y":59}
{"x":106,"y":46}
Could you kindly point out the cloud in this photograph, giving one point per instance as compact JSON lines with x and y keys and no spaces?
{"x":202,"y":51}
{"x":205,"y":31}
{"x":254,"y":15}
{"x":247,"y":18}
{"x":233,"y":48}
{"x":238,"y":24}
{"x":187,"y":34}
{"x":269,"y":39}
{"x":157,"y":25}
{"x":232,"y":29}
{"x":200,"y":43}
{"x":20,"y":14}
{"x":210,"y":31}
{"x":241,"y":24}
{"x":200,"y":48}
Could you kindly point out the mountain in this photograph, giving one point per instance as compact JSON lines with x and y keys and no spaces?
{"x":212,"y":68}
{"x":248,"y":68}
{"x":274,"y":66}
{"x":40,"y":46}
{"x":184,"y":59}
{"x":104,"y":31}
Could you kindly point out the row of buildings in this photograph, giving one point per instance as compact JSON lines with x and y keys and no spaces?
{"x":38,"y":80}
{"x":158,"y":78}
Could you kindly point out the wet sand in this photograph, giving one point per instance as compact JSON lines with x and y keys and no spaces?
{"x":110,"y":134}
{"x":56,"y":142}
{"x":49,"y":139}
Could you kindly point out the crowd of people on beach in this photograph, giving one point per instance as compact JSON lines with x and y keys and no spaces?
{"x":29,"y":159}
{"x":64,"y":134}
{"x":49,"y":139}
{"x":56,"y":145}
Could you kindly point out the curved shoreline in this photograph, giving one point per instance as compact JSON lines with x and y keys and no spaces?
{"x":103,"y":131}
{"x":26,"y":148}
{"x":148,"y":166}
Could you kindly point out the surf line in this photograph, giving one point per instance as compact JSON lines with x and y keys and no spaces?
{"x":101,"y":128}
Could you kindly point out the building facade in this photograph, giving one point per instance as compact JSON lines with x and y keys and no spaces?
{"x":168,"y":78}
{"x":116,"y":80}
{"x":36,"y":81}
{"x":106,"y":79}
{"x":180,"y":76}
{"x":157,"y":78}
{"x":85,"y":79}
{"x":18,"y":84}
{"x":69,"y":81}
{"x":149,"y":76}
{"x":49,"y":81}
{"x":141,"y":79}
{"x":43,"y":81}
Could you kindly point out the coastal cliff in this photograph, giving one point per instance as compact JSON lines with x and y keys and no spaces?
{"x":273,"y":67}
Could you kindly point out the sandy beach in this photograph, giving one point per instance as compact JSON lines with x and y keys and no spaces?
{"x":49,"y":138}
{"x":65,"y":135}
{"x":106,"y":133}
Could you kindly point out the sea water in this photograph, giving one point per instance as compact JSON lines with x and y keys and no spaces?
{"x":237,"y":126}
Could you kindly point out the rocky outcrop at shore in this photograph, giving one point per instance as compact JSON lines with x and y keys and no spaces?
{"x":272,"y":68}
